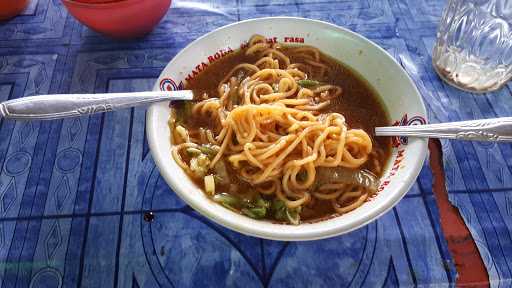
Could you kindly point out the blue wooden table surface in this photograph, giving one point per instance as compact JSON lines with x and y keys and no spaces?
{"x":74,"y":193}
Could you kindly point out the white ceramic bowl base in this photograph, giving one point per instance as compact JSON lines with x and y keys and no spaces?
{"x":397,"y":92}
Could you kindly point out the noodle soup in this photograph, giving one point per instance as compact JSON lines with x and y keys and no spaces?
{"x":282,"y":133}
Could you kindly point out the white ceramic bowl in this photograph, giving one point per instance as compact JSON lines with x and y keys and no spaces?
{"x":396,"y":89}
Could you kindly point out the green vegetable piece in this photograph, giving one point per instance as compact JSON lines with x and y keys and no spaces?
{"x":193,"y":152}
{"x":255,"y":212}
{"x":280,"y":215}
{"x":183,"y":110}
{"x":208,"y":150}
{"x":306,"y":83}
{"x":228,"y":201}
{"x":278,"y":210}
{"x":293,"y":216}
{"x":260,"y":202}
{"x":283,"y":213}
{"x":277,"y":205}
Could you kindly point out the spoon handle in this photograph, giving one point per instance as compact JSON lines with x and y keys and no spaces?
{"x":48,"y":107}
{"x":497,"y":129}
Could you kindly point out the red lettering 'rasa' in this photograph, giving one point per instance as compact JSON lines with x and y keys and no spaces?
{"x":294,"y":39}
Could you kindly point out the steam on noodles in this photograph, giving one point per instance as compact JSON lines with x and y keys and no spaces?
{"x":265,"y":139}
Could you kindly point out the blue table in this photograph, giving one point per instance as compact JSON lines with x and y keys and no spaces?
{"x":75,"y":194}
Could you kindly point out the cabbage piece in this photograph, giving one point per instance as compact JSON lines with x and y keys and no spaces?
{"x":359,"y":177}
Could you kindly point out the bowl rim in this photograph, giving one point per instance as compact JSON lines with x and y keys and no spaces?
{"x":276,"y":234}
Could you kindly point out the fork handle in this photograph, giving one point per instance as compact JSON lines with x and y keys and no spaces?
{"x":496,"y":130}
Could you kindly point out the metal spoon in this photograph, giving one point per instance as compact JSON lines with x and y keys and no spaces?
{"x":497,"y":130}
{"x":48,"y":107}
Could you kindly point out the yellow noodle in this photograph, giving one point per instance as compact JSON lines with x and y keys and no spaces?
{"x":275,"y":133}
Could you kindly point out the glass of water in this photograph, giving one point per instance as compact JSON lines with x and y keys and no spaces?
{"x":473,"y":51}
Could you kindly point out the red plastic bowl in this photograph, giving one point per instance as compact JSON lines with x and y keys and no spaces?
{"x":11,"y":8}
{"x":121,"y":19}
{"x":96,"y":1}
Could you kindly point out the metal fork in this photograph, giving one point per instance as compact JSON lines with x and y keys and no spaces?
{"x":497,"y":129}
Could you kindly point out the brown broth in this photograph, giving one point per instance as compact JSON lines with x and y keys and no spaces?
{"x":359,"y":104}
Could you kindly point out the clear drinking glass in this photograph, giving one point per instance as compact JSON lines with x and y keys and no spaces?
{"x":473,"y":51}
